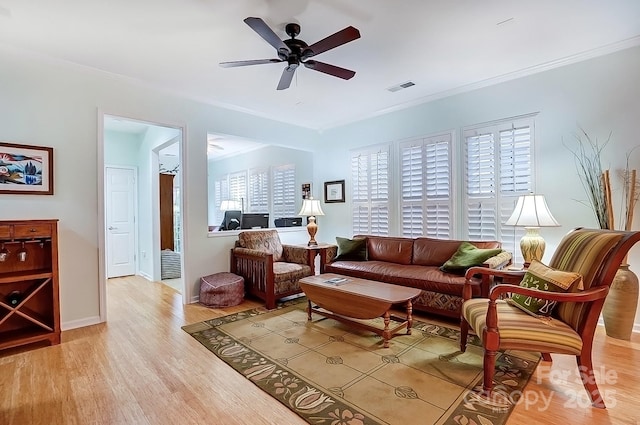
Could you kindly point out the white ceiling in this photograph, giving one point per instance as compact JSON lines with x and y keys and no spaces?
{"x":444,"y":47}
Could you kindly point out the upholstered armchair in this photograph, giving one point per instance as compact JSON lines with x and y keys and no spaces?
{"x":595,"y":255}
{"x":270,"y":269}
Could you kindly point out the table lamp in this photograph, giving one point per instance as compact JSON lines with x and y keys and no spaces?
{"x":532,"y":212}
{"x":311,"y":208}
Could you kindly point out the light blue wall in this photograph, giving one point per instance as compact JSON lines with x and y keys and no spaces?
{"x":268,"y":156}
{"x":56,"y":104}
{"x":602,"y":95}
{"x":121,"y":148}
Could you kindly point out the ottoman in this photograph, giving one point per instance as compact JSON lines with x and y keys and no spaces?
{"x":221,"y":290}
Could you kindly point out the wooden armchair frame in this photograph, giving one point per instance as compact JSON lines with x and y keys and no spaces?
{"x":592,"y":298}
{"x":256,"y":267}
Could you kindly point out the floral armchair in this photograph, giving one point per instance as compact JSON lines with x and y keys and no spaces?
{"x":270,"y":269}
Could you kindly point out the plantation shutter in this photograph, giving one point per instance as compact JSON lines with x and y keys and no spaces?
{"x":258,"y":191}
{"x":284,"y":188}
{"x":220,"y":193}
{"x":370,"y":191}
{"x":238,"y":187}
{"x":426,"y":187}
{"x":498,"y":169}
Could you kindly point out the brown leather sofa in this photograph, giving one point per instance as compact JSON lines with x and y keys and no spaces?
{"x":416,"y":263}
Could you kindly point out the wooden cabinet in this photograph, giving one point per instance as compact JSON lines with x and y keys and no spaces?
{"x":29,"y":299}
{"x":166,"y":212}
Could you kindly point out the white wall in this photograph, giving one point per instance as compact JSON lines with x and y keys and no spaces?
{"x":55,"y":104}
{"x":50,"y":103}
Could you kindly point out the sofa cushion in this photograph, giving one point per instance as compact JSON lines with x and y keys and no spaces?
{"x":468,"y":255}
{"x":266,"y":241}
{"x":393,"y":250}
{"x":435,"y":252}
{"x":541,"y":277}
{"x":351,"y":249}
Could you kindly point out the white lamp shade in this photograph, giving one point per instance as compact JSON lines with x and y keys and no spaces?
{"x":311,"y":207}
{"x":228,"y":205}
{"x":532,"y":211}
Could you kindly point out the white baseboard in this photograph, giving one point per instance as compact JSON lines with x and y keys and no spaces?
{"x":80,"y":323}
{"x":146,"y":276}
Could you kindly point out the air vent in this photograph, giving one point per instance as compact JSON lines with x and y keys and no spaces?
{"x":401,"y":86}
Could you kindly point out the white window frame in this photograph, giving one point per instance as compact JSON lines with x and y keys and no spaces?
{"x":426,"y":186}
{"x":505,"y":171}
{"x":370,"y":188}
{"x":258,"y":190}
{"x":284,"y":201}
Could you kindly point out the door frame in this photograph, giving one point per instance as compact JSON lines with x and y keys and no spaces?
{"x":102,"y":276}
{"x":135,"y":216}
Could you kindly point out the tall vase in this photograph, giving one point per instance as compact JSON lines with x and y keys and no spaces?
{"x":619,"y":310}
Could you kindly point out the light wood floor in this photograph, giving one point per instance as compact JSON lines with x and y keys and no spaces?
{"x":142,"y":368}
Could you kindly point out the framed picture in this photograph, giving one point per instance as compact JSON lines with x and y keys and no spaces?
{"x":306,"y":190}
{"x":26,"y":170}
{"x":334,"y":191}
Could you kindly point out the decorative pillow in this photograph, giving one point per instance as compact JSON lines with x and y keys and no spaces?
{"x":351,"y":249}
{"x":468,"y":255}
{"x":539,"y":276}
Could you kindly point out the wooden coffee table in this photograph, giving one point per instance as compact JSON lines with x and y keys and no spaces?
{"x":355,"y":300}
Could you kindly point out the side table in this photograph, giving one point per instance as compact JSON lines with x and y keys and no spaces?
{"x":320,"y":249}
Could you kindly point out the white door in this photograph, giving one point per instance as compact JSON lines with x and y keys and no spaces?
{"x":120,"y":221}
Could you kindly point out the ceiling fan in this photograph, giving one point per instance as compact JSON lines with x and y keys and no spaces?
{"x":295,"y":51}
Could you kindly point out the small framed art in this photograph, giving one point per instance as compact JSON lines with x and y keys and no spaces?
{"x":306,"y":190}
{"x":25,"y":169}
{"x":334,"y":191}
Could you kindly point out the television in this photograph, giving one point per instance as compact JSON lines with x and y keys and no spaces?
{"x":231,"y":220}
{"x":254,"y":221}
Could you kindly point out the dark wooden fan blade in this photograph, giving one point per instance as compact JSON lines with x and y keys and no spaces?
{"x":287,"y":76}
{"x":250,"y":62}
{"x":336,"y":71}
{"x":337,"y":39}
{"x":264,"y":31}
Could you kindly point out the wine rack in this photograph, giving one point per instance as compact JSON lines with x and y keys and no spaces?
{"x":29,"y":299}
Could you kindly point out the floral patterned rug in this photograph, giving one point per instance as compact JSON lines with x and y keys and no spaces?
{"x":329,"y":373}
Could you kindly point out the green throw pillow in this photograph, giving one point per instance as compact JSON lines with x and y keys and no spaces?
{"x":544,"y":278}
{"x":351,"y":249}
{"x":468,"y":255}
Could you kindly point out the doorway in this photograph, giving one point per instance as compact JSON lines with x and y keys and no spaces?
{"x":130,"y":154}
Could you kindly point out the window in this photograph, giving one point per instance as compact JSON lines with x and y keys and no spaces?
{"x":370,"y":191}
{"x":426,"y":205}
{"x":220,"y":193}
{"x":258,"y":191}
{"x":284,"y":191}
{"x":238,"y":187}
{"x":498,"y":169}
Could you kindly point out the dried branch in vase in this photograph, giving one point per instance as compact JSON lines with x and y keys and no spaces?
{"x":588,"y":163}
{"x":597,"y":183}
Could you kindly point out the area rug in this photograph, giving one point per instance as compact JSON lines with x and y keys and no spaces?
{"x":329,"y":373}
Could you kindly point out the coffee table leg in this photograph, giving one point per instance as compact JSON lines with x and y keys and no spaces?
{"x":409,"y":317}
{"x":385,"y":333}
{"x":309,"y":310}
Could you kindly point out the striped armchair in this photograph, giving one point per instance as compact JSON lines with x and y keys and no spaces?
{"x":270,"y":269}
{"x":593,"y":253}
